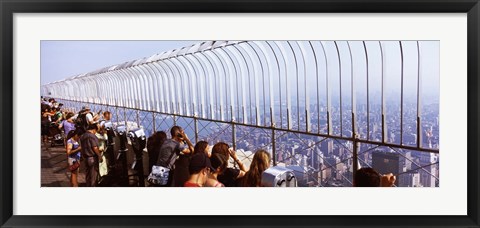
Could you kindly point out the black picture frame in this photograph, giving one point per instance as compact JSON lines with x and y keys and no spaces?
{"x":9,"y":7}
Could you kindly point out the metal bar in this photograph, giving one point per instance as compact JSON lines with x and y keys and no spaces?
{"x":340,"y":85}
{"x":329,"y":105}
{"x":195,"y":124}
{"x":274,"y":149}
{"x":154,"y":123}
{"x":306,"y":90}
{"x":318,"y":86}
{"x":368,"y":91}
{"x":355,"y":156}
{"x":353,"y":96}
{"x":287,"y":91}
{"x":419,"y":123}
{"x":296,"y":74}
{"x":384,"y":127}
{"x":279,"y":84}
{"x":401,"y":93}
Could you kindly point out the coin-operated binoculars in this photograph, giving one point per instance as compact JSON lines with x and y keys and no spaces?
{"x":109,"y":152}
{"x":122,"y":154}
{"x":139,"y":141}
{"x":277,"y":176}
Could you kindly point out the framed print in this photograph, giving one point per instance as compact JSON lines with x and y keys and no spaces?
{"x":307,"y":101}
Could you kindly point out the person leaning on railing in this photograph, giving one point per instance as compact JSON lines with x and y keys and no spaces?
{"x":171,"y":149}
{"x":230,"y":176}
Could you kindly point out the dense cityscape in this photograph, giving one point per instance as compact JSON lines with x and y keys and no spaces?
{"x":320,"y":161}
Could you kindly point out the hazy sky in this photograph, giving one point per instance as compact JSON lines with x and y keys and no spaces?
{"x":63,"y":59}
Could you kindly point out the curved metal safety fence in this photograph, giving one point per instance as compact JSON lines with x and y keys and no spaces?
{"x":348,"y":98}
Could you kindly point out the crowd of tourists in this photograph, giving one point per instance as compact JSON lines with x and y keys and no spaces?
{"x":199,"y":165}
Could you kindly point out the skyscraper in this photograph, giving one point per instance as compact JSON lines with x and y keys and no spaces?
{"x":385,"y":163}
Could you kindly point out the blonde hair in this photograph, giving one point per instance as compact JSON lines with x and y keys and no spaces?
{"x":260,"y":163}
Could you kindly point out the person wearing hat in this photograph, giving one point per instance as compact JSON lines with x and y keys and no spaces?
{"x":91,"y":119}
{"x":199,"y":169}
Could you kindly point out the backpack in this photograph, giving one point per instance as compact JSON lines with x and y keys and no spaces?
{"x":81,"y":121}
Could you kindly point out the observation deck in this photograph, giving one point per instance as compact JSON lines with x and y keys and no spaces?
{"x":323,"y":108}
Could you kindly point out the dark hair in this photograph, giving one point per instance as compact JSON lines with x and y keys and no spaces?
{"x":260,"y":163}
{"x":219,"y":161}
{"x":195,"y":167}
{"x":69,"y":115}
{"x":71,"y":134}
{"x":175,"y":130}
{"x":366,"y":177}
{"x":200,"y":147}
{"x":156,"y":140}
{"x":154,"y":143}
{"x":221,"y":148}
{"x":92,"y":126}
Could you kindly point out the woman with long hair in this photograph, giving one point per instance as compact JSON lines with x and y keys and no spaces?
{"x":73,"y":156}
{"x":154,"y":143}
{"x":260,"y":163}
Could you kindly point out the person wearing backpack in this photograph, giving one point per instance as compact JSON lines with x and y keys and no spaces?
{"x":84,"y":119}
{"x":171,"y":149}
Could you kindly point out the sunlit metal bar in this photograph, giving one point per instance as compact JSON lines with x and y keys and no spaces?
{"x":419,"y":106}
{"x":353,"y":96}
{"x":318,"y":86}
{"x":368,"y":89}
{"x":401,"y":91}
{"x":297,"y":83}
{"x":340,"y":86}
{"x":384,"y":127}
{"x":329,"y":105}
